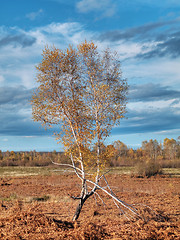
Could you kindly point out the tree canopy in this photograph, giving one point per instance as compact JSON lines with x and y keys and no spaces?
{"x":82,"y":90}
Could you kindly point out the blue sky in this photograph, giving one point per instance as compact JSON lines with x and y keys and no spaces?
{"x":145,"y":33}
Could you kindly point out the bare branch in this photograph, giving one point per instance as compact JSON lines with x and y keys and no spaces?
{"x":115,"y":198}
{"x":76,"y":198}
{"x":71,"y":166}
{"x":75,"y":168}
{"x":100,"y":198}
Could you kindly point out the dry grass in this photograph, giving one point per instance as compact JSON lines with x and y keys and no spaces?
{"x":40,"y":207}
{"x":35,"y":171}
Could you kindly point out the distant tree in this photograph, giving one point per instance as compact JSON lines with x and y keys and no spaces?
{"x":178,"y":147}
{"x":170,"y":147}
{"x":82,"y":91}
{"x":12,"y":156}
{"x":120,"y":147}
{"x":148,"y":156}
{"x":120,"y":154}
{"x":131,"y":153}
{"x":151,"y":148}
{"x":1,"y":156}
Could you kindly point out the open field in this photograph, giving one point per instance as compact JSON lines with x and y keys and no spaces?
{"x":35,"y":203}
{"x":31,"y":171}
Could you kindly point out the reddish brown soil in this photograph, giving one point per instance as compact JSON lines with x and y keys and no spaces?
{"x":24,"y":214}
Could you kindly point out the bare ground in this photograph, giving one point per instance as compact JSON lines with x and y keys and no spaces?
{"x":41,"y":207}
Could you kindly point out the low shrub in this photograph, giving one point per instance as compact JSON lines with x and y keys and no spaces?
{"x":148,"y":168}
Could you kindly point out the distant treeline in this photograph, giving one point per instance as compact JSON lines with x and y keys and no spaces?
{"x":167,"y":154}
{"x":31,"y":158}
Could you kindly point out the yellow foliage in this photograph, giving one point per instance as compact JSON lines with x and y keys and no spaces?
{"x":82,"y":91}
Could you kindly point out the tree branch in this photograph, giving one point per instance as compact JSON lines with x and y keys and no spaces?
{"x":71,"y":166}
{"x":76,"y":198}
{"x":127,"y":206}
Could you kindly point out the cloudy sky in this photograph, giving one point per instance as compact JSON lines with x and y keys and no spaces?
{"x":145,"y":33}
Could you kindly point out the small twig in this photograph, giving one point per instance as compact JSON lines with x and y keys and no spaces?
{"x":95,"y":199}
{"x":100,"y":198}
{"x":76,"y":198}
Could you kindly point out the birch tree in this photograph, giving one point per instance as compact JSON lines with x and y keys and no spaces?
{"x":82,"y":91}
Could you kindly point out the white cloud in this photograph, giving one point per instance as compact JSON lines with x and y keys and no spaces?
{"x":1,"y":79}
{"x":19,"y":73}
{"x":165,"y":71}
{"x":26,"y":73}
{"x":34,"y":15}
{"x":127,"y":50}
{"x":150,"y":106}
{"x":5,"y":140}
{"x":176,"y":105}
{"x":91,"y":5}
{"x":18,"y":63}
{"x":63,"y":28}
{"x":29,"y":136}
{"x":168,"y":132}
{"x":25,"y":113}
{"x":18,"y":68}
{"x":105,"y":6}
{"x":60,"y":34}
{"x":159,"y":3}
